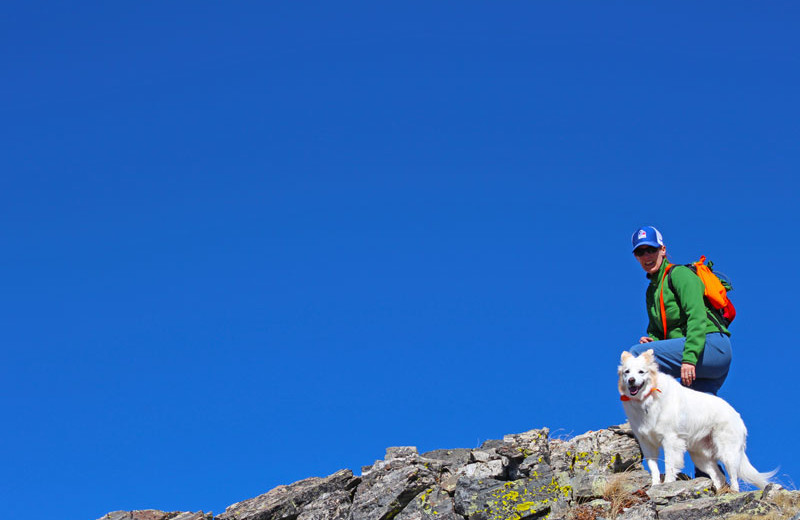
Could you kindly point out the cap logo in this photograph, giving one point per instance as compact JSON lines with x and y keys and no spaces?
{"x":642,"y":234}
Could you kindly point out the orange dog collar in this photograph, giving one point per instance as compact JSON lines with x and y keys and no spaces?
{"x":651,"y":392}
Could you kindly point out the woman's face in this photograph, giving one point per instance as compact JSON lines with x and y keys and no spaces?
{"x":650,"y":257}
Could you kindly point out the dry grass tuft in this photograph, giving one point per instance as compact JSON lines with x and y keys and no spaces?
{"x":587,"y":512}
{"x":789,"y":503}
{"x":724,"y":490}
{"x":617,"y":493}
{"x":787,"y":500}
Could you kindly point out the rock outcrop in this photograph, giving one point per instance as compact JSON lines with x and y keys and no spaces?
{"x":597,"y":475}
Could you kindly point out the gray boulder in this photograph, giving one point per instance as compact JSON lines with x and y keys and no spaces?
{"x":528,"y":453}
{"x":154,"y":514}
{"x":288,"y":502}
{"x":646,"y":511}
{"x":468,"y":492}
{"x":193,"y":516}
{"x":493,"y":469}
{"x":451,"y":458}
{"x":680,"y":491}
{"x":329,"y":506}
{"x":596,"y":475}
{"x":432,"y":504}
{"x":518,"y":499}
{"x":390,"y":485}
{"x":603,"y":451}
{"x":718,"y":507}
{"x":587,"y":462}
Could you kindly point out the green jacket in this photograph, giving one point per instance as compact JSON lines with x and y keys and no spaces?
{"x":689,"y":320}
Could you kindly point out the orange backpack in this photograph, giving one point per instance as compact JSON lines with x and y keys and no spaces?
{"x":721,"y":309}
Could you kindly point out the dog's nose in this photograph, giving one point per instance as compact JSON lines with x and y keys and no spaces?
{"x":631,"y":381}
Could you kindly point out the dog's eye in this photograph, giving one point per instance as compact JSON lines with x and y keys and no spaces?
{"x":641,"y":371}
{"x":627,"y":371}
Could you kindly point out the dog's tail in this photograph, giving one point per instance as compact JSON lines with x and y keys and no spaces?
{"x":750,"y":474}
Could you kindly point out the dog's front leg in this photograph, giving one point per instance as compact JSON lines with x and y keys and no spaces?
{"x":650,"y":453}
{"x":674,"y":448}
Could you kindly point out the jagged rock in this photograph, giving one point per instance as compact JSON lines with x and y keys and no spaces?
{"x":721,"y":507}
{"x":680,"y":491}
{"x":522,"y":445}
{"x":622,"y":429}
{"x":587,"y":461}
{"x":604,"y":451}
{"x":646,"y":511}
{"x":597,"y":510}
{"x":586,"y":464}
{"x":455,"y":458}
{"x":401,"y":452}
{"x":789,"y":501}
{"x":596,"y":475}
{"x":402,"y":456}
{"x":329,"y":506}
{"x":588,"y":487}
{"x":153,"y":514}
{"x":288,"y":502}
{"x":467,"y":493}
{"x":528,"y":453}
{"x":485,"y":455}
{"x":390,"y":486}
{"x":631,"y":481}
{"x":772,"y":492}
{"x":431,"y":504}
{"x":448,"y":482}
{"x":129,"y":515}
{"x":491,"y":444}
{"x":518,"y":499}
{"x":494,"y":469}
{"x":193,"y":516}
{"x":531,"y":466}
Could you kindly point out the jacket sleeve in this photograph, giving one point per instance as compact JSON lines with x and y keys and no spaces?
{"x":651,"y":329}
{"x":690,"y":291}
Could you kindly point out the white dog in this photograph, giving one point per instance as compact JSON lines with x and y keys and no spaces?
{"x":664,"y":413}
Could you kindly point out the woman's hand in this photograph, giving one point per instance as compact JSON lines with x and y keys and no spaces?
{"x":687,"y":374}
{"x":645,"y":339}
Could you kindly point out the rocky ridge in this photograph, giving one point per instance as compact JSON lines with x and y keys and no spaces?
{"x":597,"y":475}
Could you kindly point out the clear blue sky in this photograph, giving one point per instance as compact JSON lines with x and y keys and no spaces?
{"x":249,"y":243}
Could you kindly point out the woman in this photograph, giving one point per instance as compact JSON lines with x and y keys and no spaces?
{"x":697,"y":348}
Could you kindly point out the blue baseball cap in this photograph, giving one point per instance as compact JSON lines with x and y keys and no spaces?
{"x":647,"y":236}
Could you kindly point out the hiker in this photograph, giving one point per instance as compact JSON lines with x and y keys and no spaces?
{"x":697,"y":348}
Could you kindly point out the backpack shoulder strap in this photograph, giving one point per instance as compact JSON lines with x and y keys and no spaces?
{"x":710,"y":311}
{"x":672,"y":285}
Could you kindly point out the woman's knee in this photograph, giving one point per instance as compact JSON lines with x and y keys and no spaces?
{"x":715,"y":360}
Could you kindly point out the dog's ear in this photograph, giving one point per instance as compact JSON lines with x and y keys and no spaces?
{"x":649,"y":355}
{"x":625,"y":356}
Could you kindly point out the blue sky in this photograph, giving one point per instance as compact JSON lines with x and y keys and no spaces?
{"x":250,"y":243}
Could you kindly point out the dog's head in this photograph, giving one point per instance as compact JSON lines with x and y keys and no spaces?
{"x":637,"y":374}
